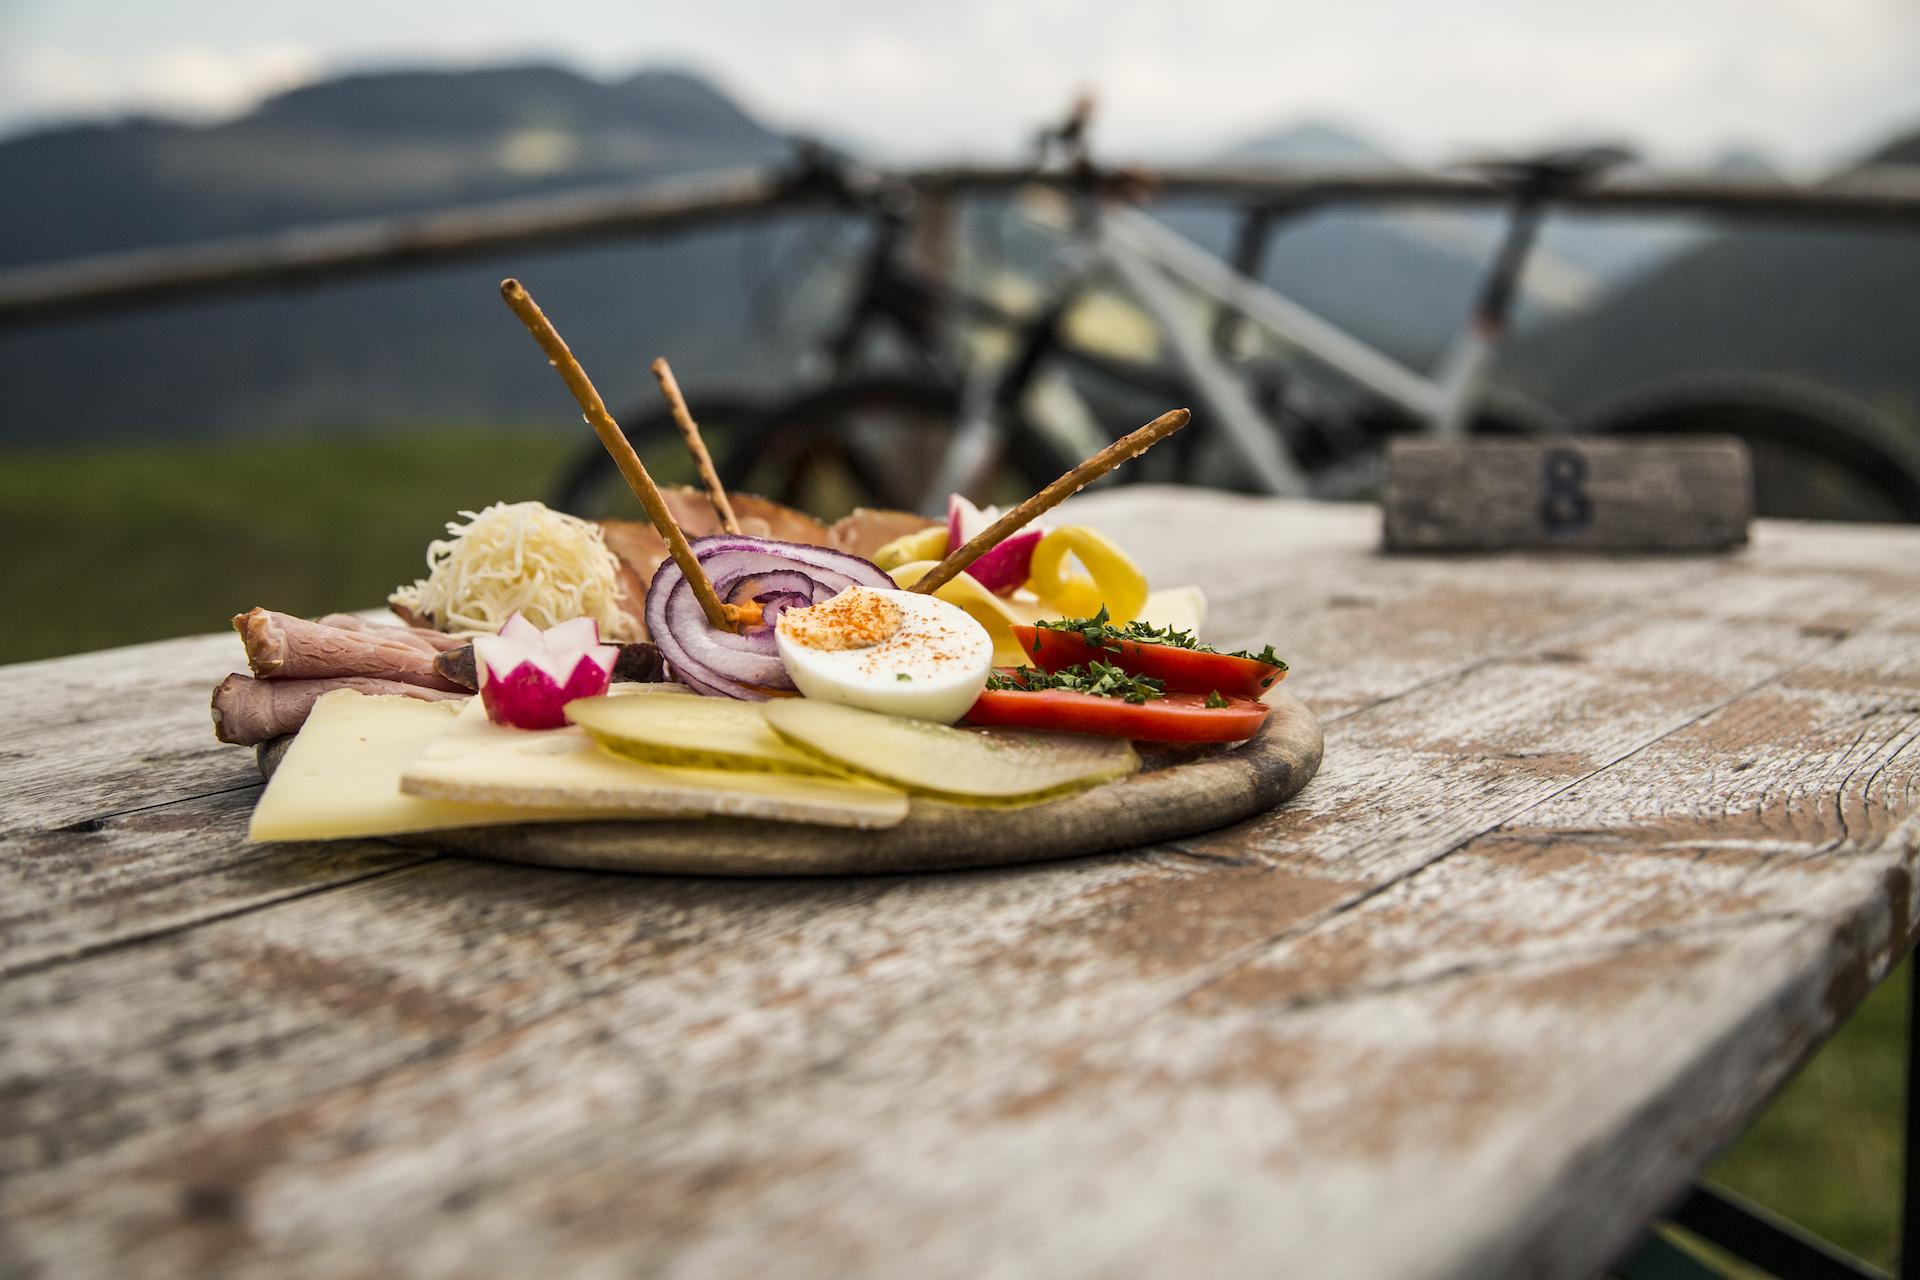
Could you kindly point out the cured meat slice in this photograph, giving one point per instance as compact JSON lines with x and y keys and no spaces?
{"x":437,"y":641}
{"x":283,"y":647}
{"x":867,"y":529}
{"x":248,"y":712}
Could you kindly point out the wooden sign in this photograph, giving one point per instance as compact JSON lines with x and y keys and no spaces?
{"x":1579,"y":493}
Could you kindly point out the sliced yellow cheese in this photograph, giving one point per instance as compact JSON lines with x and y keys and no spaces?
{"x":341,"y":776}
{"x":997,"y":768}
{"x":1181,"y":608}
{"x":479,"y":762}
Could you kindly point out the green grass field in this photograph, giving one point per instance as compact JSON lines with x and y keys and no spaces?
{"x":113,"y":546}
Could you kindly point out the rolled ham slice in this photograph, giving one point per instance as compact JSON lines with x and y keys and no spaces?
{"x":437,"y":641}
{"x":283,"y":647}
{"x":248,"y":712}
{"x":867,"y":529}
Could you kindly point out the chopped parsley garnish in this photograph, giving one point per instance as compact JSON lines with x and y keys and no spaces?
{"x":1215,"y":701}
{"x":1102,"y":679}
{"x":901,"y":675}
{"x":1099,"y":633}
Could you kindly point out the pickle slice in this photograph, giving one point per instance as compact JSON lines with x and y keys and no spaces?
{"x":961,"y":766}
{"x":476,"y":762}
{"x":692,"y":731}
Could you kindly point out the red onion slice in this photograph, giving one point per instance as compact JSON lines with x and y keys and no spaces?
{"x":785,"y":588}
{"x":745,"y":664}
{"x":774,"y":603}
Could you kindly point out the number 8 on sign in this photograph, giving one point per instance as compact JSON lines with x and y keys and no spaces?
{"x":1564,"y":506}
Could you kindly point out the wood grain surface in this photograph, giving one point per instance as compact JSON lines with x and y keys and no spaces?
{"x":1600,"y":851}
{"x":1184,"y":792}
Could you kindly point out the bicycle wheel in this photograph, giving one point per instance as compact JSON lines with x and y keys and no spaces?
{"x":850,"y":445}
{"x":878,"y":443}
{"x":1816,"y":454}
{"x":873,"y":443}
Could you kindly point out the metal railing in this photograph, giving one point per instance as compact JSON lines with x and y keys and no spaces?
{"x":307,"y":256}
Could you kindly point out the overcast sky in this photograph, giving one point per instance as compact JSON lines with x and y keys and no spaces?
{"x":1806,"y":81}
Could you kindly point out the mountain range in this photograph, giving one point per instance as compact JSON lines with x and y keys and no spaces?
{"x":427,"y":346}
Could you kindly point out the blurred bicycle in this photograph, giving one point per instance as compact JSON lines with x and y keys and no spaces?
{"x":933,"y":387}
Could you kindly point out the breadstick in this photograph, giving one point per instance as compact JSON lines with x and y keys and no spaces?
{"x":1053,"y":495}
{"x":616,"y":444}
{"x":690,"y":432}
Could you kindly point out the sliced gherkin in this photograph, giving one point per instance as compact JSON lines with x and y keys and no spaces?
{"x":960,"y":766}
{"x":692,"y":731}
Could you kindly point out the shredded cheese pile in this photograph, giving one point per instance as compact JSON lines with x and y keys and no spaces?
{"x":519,"y":556}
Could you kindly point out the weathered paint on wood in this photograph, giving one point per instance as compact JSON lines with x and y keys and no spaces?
{"x":1568,"y":492}
{"x":1572,"y":893}
{"x":90,"y":885}
{"x":109,"y":732}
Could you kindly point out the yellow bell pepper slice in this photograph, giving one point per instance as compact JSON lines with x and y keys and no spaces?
{"x":928,"y":544}
{"x":1111,"y":578}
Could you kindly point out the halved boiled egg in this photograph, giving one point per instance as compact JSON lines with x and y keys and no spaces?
{"x":897,"y":652}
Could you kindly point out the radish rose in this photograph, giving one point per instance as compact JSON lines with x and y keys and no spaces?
{"x":527,"y":675}
{"x":1006,"y":566}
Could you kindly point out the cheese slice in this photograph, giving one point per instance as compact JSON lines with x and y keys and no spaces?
{"x":479,"y":762}
{"x":1181,"y":608}
{"x":341,"y":775}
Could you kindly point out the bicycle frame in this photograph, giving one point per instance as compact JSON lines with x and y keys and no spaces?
{"x":1444,"y":401}
{"x":1152,"y":261}
{"x":1149,"y":258}
{"x":1133,"y":237}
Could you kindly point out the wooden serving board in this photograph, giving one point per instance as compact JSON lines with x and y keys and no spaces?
{"x":1178,"y":793}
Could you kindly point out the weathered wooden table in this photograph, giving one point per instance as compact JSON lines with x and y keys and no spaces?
{"x":1601,"y":849}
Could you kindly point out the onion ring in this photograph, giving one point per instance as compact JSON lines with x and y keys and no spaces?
{"x":776,"y":575}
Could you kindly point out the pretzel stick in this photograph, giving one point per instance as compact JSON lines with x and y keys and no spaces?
{"x":616,"y":443}
{"x":1053,"y":495}
{"x":690,"y":432}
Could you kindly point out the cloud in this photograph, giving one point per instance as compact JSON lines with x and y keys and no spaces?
{"x":200,"y":80}
{"x":1809,"y":80}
